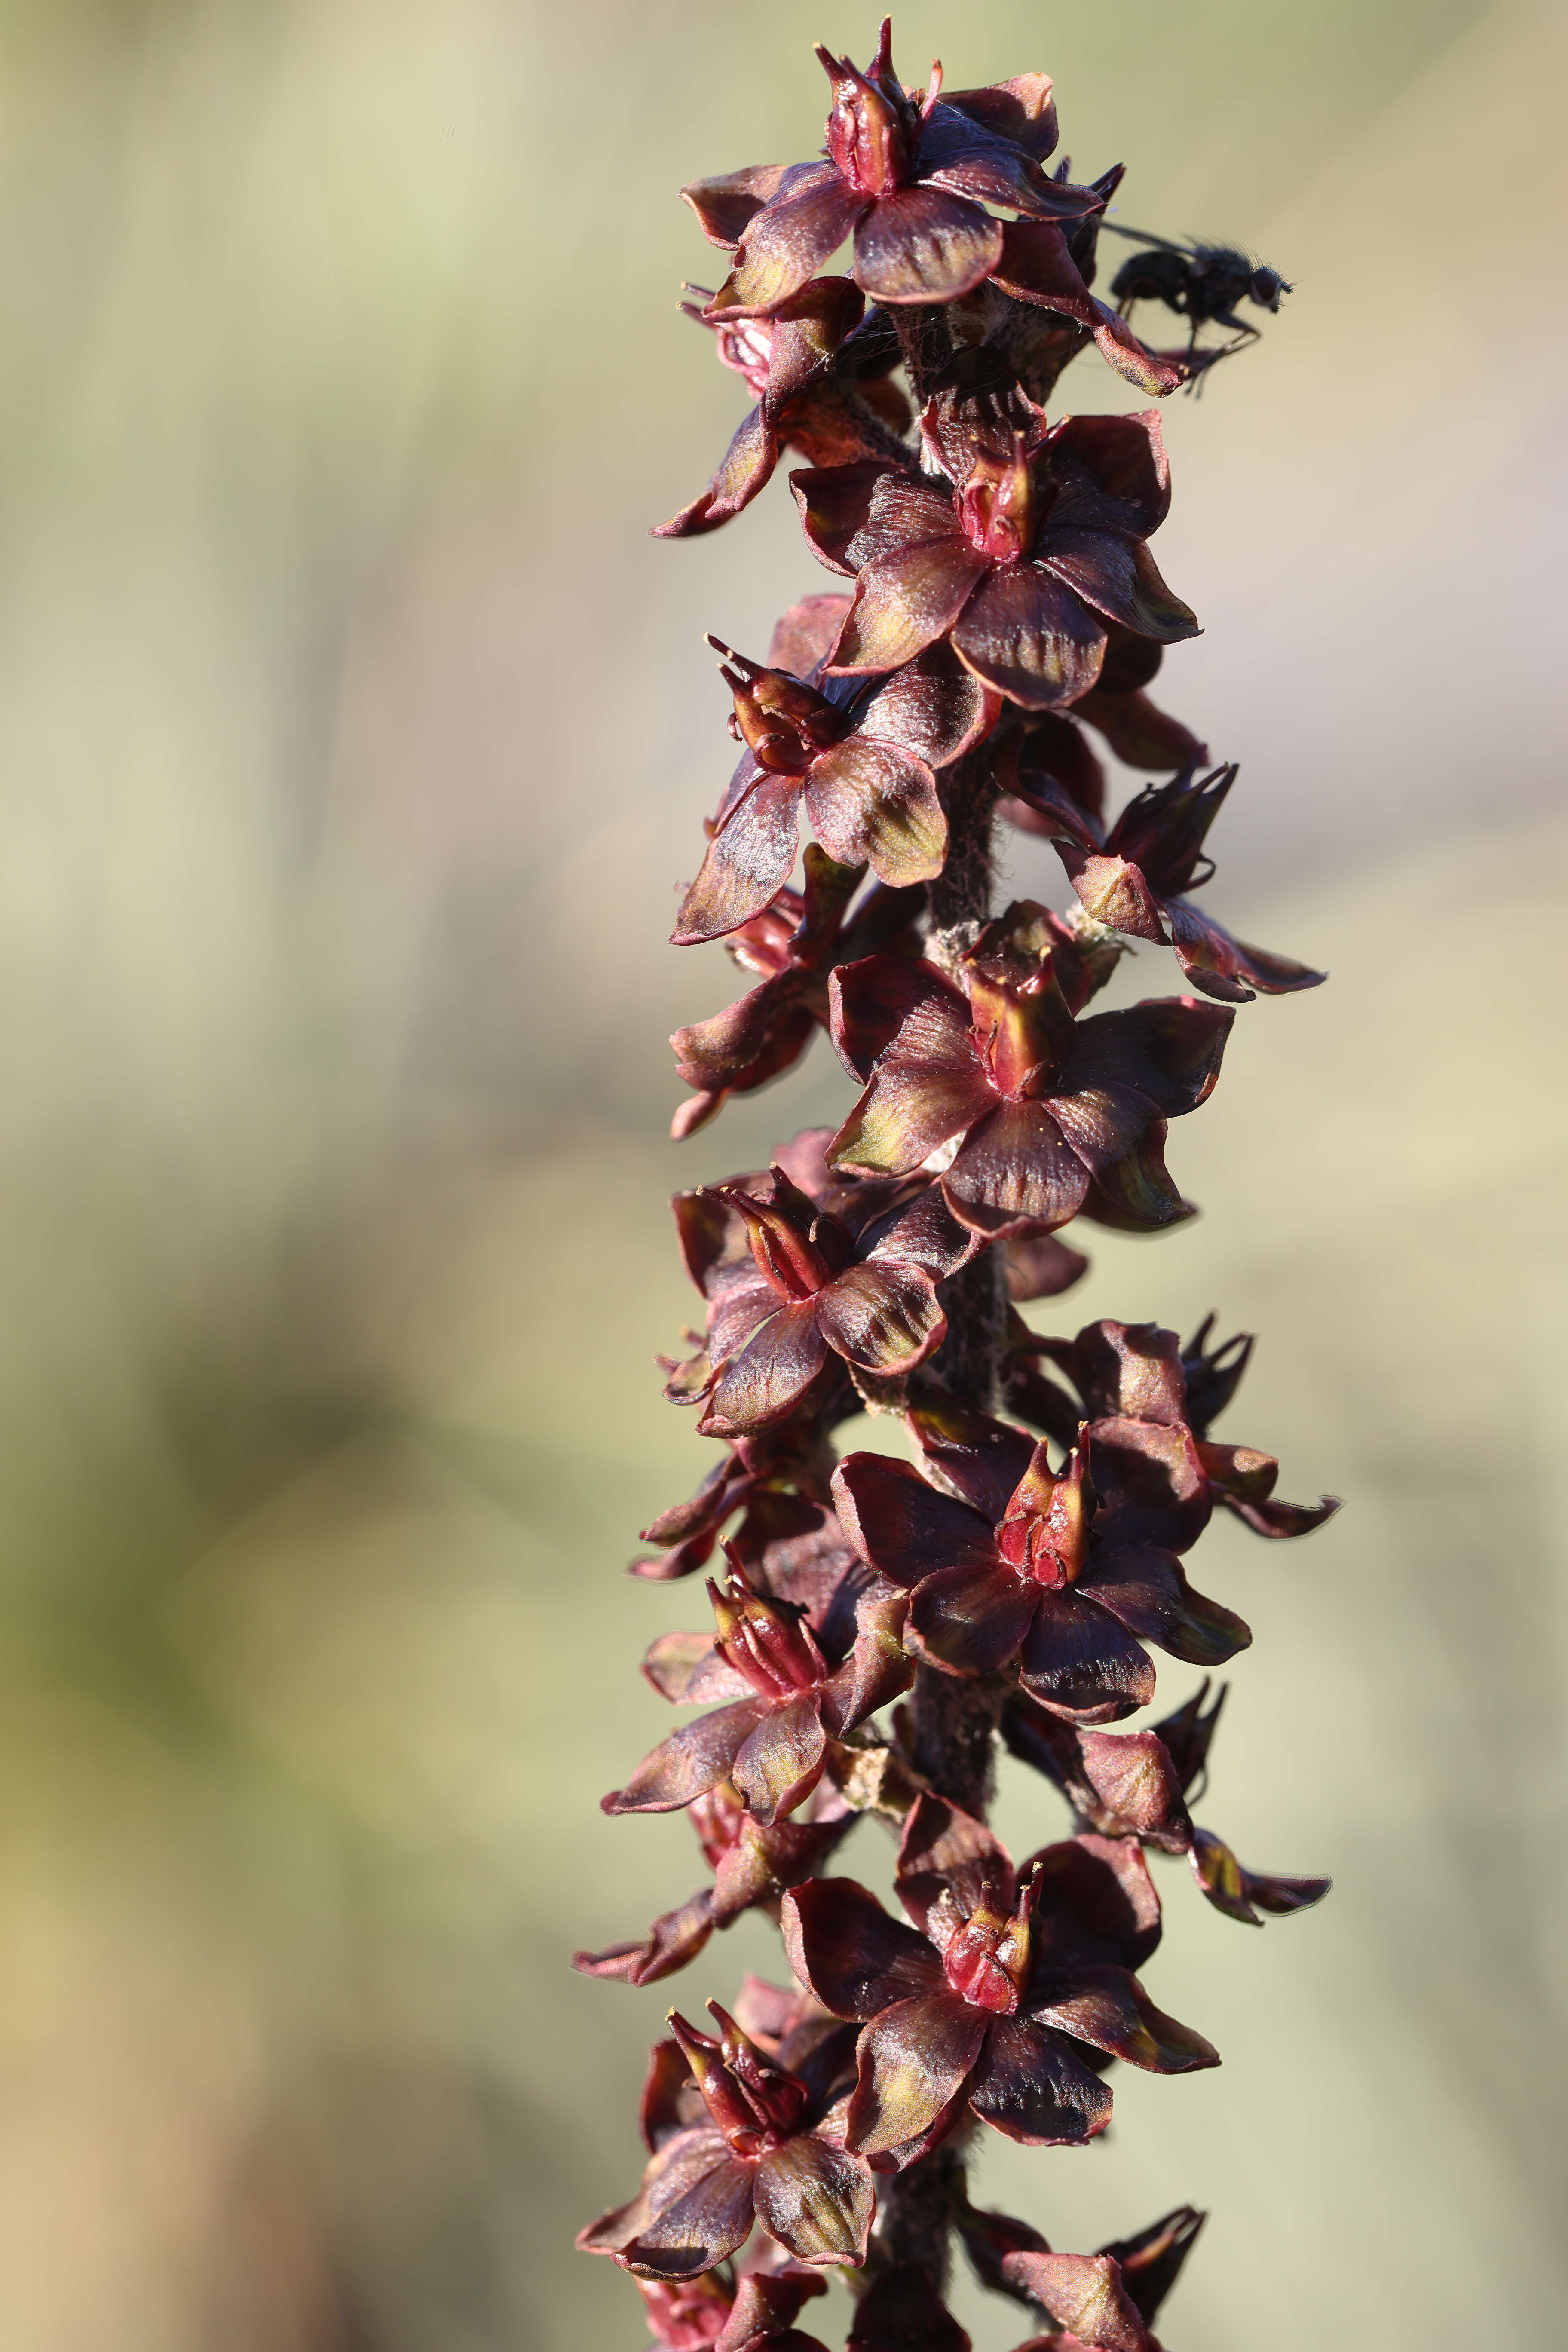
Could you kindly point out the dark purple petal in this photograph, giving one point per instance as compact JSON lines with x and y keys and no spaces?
{"x":695,"y":2230}
{"x":786,"y":244}
{"x":802,"y":635}
{"x":769,"y":1374}
{"x":904,"y":601}
{"x":884,"y":999}
{"x":913,"y":2059}
{"x":1037,"y":267}
{"x":934,"y":709}
{"x":1081,"y":1664}
{"x":1243,"y":1893}
{"x":1108,"y":2009}
{"x":972,"y":1621}
{"x":1031,"y":637}
{"x":901,"y":2311}
{"x":746,"y":468}
{"x":747,"y":863}
{"x":923,"y":1230}
{"x":1114,"y":892}
{"x":781,"y":1763}
{"x":737,"y":1308}
{"x":849,"y":1952}
{"x":675,"y":1938}
{"x":1120,"y":578}
{"x":835,"y":506}
{"x":943,"y":1847}
{"x":689,"y":1671}
{"x":1120,"y":1142}
{"x":922,"y":245}
{"x":1021,"y":110}
{"x":902,"y":1526}
{"x":815,"y":2199}
{"x":689,"y":1763}
{"x":869,"y":802}
{"x":1031,"y":2087}
{"x":885,"y":1318}
{"x":1084,"y":2294}
{"x":1144,"y":1589}
{"x":1015,"y":1167}
{"x":1098,"y":1904}
{"x":1040,"y":1266}
{"x":727,"y":202}
{"x":1227,"y":967}
{"x":984,"y":1458}
{"x":1150,"y":1482}
{"x":1114,"y":474}
{"x":1151,"y":2260}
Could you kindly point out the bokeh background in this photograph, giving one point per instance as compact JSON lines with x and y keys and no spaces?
{"x":355,"y":736}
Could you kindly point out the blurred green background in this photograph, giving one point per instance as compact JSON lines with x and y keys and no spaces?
{"x":355,"y":737}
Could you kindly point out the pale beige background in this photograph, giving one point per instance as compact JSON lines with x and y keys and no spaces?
{"x":355,"y":736}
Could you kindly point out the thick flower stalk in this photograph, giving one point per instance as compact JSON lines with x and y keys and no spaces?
{"x":885,"y":1628}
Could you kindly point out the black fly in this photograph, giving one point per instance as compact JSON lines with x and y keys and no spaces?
{"x":1202,"y":283}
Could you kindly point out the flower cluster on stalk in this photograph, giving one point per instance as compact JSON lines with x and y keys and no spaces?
{"x":997,"y":619}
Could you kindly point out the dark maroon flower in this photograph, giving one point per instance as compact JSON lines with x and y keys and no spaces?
{"x":1002,"y":1997}
{"x":768,"y":2148}
{"x":1028,"y":1566}
{"x":1038,"y":545}
{"x":1130,"y":1784}
{"x":785,"y":1702}
{"x":817,"y":1290}
{"x":686,"y":2314}
{"x":752,"y":1865}
{"x":1084,"y":2297}
{"x":1137,"y":885}
{"x":1044,"y":1111}
{"x":1128,"y":1374}
{"x":788,"y":363}
{"x":767,"y":2305}
{"x":862,"y":764}
{"x":1100,"y":2300}
{"x":907,"y":178}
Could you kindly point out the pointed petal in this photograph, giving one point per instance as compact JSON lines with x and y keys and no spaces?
{"x":815,"y":2199}
{"x":771,"y":1373}
{"x":1227,"y":967}
{"x":1108,"y":2009}
{"x":1030,"y":2087}
{"x":786,"y":244}
{"x":884,"y":1318}
{"x":904,"y":601}
{"x":747,"y":865}
{"x":675,"y":1938}
{"x":1015,"y":1168}
{"x":1151,"y":2260}
{"x":1037,"y":267}
{"x":1139,"y":734}
{"x":1031,"y":637}
{"x":747,"y":468}
{"x":781,"y":1763}
{"x":1242,"y":1894}
{"x":913,"y":2059}
{"x":972,"y":1621}
{"x":689,"y":1763}
{"x":1120,"y":578}
{"x":902,"y":1526}
{"x":868,"y":802}
{"x":922,"y":245}
{"x":1114,"y":892}
{"x":1144,"y":1589}
{"x":850,"y":1953}
{"x":1082,"y":1664}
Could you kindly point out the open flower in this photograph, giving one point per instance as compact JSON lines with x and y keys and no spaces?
{"x":863,"y":766}
{"x":1151,"y":859}
{"x":816,"y":1288}
{"x":1039,"y":544}
{"x":1004,"y":1996}
{"x":1048,"y":1114}
{"x":907,"y":178}
{"x":765,"y":2149}
{"x":1020,"y":1564}
{"x":752,"y":1865}
{"x":785,"y":1701}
